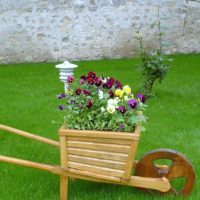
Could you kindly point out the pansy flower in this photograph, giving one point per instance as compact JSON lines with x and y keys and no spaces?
{"x":61,"y":96}
{"x":89,"y":103}
{"x":91,"y":75}
{"x":97,"y":81}
{"x":83,"y":77}
{"x":90,"y":81}
{"x":86,"y":92}
{"x":61,"y":107}
{"x":118,"y":84}
{"x":81,"y":81}
{"x":119,"y":93}
{"x":133,"y":103}
{"x":78,"y":91}
{"x":70,"y":79}
{"x":111,"y":93}
{"x":122,"y":109}
{"x":141,"y":97}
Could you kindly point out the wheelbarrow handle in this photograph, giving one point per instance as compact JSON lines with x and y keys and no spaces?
{"x":29,"y":135}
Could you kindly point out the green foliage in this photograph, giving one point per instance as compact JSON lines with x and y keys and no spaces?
{"x":154,"y":64}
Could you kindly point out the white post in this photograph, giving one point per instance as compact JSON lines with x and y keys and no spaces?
{"x":66,"y":69}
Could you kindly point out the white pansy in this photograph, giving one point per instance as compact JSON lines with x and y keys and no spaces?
{"x":113,"y":102}
{"x":102,"y":109}
{"x":104,"y":80}
{"x":111,"y":108}
{"x":100,"y":94}
{"x":126,"y":98}
{"x":117,"y":99}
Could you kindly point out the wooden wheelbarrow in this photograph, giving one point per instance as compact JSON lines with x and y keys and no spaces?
{"x":109,"y":157}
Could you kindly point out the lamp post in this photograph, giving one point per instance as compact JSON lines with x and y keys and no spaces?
{"x":66,"y":69}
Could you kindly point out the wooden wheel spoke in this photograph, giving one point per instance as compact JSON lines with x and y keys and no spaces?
{"x":176,"y":170}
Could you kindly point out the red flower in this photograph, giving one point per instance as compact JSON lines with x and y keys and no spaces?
{"x":118,"y":84}
{"x":109,"y":85}
{"x":111,"y":93}
{"x":111,"y":80}
{"x":86,"y":92}
{"x":78,"y":91}
{"x":90,"y":81}
{"x":83,"y":77}
{"x":91,"y":75}
{"x":81,"y":81}
{"x":89,"y":103}
{"x":70,"y":79}
{"x":97,"y":81}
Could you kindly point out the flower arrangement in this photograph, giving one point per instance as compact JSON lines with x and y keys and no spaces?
{"x":99,"y":103}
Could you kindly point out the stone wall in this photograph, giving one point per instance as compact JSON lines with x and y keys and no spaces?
{"x":57,"y":30}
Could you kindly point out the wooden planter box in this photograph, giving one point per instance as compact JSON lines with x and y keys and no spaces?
{"x":99,"y":154}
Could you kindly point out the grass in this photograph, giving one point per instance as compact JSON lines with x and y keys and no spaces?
{"x":28,"y":102}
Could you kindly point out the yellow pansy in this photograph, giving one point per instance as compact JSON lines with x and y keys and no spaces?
{"x":119,"y":93}
{"x":127,"y":89}
{"x":69,"y":91}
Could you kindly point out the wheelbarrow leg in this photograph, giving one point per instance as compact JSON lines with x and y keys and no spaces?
{"x":63,"y":158}
{"x":63,"y":187}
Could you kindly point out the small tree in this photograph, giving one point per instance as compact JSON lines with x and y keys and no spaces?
{"x":153,"y":66}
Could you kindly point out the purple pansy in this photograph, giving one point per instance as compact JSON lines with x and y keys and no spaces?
{"x":141,"y":97}
{"x":132,"y":103}
{"x":61,"y":107}
{"x":122,"y":109}
{"x":72,"y":102}
{"x":61,"y":96}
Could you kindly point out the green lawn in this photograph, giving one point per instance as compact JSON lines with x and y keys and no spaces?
{"x":28,"y":102}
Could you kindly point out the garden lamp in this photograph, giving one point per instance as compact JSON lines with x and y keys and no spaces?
{"x":66,"y":70}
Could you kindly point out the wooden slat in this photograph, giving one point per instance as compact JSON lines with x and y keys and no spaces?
{"x":97,"y":162}
{"x":98,"y":154}
{"x":130,"y":161}
{"x":99,"y":146}
{"x":63,"y":151}
{"x":95,"y":169}
{"x":99,"y":134}
{"x":93,"y":176}
{"x":100,"y":140}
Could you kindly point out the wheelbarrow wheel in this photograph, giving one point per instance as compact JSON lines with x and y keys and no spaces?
{"x":177,"y":169}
